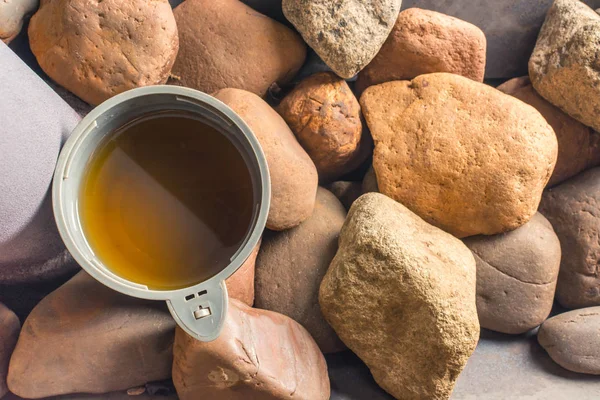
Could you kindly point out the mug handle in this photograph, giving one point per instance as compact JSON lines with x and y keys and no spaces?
{"x":201,"y":313}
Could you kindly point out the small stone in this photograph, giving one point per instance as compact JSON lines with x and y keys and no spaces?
{"x":108,"y":47}
{"x":9,"y":333}
{"x":423,"y":42}
{"x":226,"y":44}
{"x":471,"y":179}
{"x":564,"y":65}
{"x":325,"y":117}
{"x":294,"y":177}
{"x":346,"y":192}
{"x":369,"y":184}
{"x":400,"y":293}
{"x":136,"y":391}
{"x":573,"y":209}
{"x":12,"y":13}
{"x":516,"y":276}
{"x":291,"y":266}
{"x":572,"y":341}
{"x":260,"y":355}
{"x":240,"y":285}
{"x":578,"y":145}
{"x":346,"y":34}
{"x":87,"y":338}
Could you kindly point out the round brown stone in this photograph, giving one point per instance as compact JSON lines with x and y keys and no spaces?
{"x":9,"y":333}
{"x":102,"y":48}
{"x":452,"y":150}
{"x":226,"y":44}
{"x":325,"y":117}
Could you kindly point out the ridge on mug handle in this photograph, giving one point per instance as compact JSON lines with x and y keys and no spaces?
{"x":86,"y":170}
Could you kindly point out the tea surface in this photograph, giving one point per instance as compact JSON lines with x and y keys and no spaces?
{"x":166,"y":202}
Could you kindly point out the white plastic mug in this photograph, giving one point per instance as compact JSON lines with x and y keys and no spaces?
{"x":200,"y":309}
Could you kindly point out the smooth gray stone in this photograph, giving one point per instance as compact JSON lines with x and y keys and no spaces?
{"x":502,"y":367}
{"x":510,"y":26}
{"x":34,"y":123}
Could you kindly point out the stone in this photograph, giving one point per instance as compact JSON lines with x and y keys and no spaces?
{"x":325,"y":117}
{"x":291,"y":266}
{"x":572,"y":340}
{"x":369,"y":183}
{"x":226,"y":44}
{"x":471,"y":179}
{"x":564,"y":66}
{"x":423,"y":42}
{"x":346,"y":34}
{"x":573,"y":209}
{"x":510,"y":26}
{"x":578,"y":145}
{"x":9,"y":333}
{"x":240,"y":285}
{"x":400,"y":294}
{"x":87,"y":338}
{"x":108,"y":47}
{"x":243,"y":364}
{"x":346,"y":192}
{"x":12,"y":14}
{"x":294,"y":178}
{"x":34,"y":121}
{"x":516,"y":276}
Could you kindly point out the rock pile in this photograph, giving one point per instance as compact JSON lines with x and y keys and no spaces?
{"x":445,"y":204}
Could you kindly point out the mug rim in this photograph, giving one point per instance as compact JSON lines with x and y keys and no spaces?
{"x":108,"y":277}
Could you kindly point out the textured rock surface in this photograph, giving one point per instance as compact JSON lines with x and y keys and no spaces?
{"x":346,"y":34}
{"x":86,"y":338}
{"x":564,"y":65}
{"x":510,"y":26}
{"x":471,"y":179}
{"x":572,"y":340}
{"x":240,"y":285}
{"x":291,"y":266}
{"x":33,"y":121}
{"x":294,"y":177}
{"x":422,"y":42}
{"x":108,"y":46}
{"x":573,"y":209}
{"x":9,"y":332}
{"x":325,"y":117}
{"x":578,"y":145}
{"x":12,"y":13}
{"x":347,"y":192}
{"x":226,"y":44}
{"x":259,"y":355}
{"x":401,"y":294}
{"x":516,"y":276}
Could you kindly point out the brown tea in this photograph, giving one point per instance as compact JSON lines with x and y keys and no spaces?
{"x":166,"y":202}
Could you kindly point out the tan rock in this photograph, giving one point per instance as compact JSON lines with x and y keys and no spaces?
{"x":423,"y":42}
{"x":516,"y":276}
{"x":573,"y":209}
{"x":9,"y":333}
{"x":226,"y":44}
{"x":347,"y":192}
{"x":259,"y":355}
{"x":294,"y":177}
{"x":240,"y":285}
{"x":564,"y":64}
{"x":578,"y":145}
{"x":291,"y":266}
{"x":452,"y":151}
{"x":325,"y":117}
{"x":87,"y":338}
{"x":107,"y":46}
{"x":572,"y":341}
{"x":346,"y":34}
{"x":400,"y":293}
{"x":12,"y":13}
